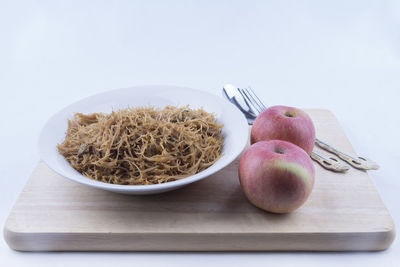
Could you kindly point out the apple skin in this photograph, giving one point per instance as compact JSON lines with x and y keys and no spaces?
{"x":284,"y":123}
{"x":276,"y":175}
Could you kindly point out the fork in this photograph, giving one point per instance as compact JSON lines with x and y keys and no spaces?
{"x":363,"y":163}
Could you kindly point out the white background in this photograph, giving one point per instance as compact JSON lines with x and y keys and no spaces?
{"x":339,"y":55}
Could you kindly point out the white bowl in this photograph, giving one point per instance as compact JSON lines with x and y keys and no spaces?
{"x":235,"y":130}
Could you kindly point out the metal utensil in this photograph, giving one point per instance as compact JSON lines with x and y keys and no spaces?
{"x":229,"y":91}
{"x":251,"y":108}
{"x":256,"y":106}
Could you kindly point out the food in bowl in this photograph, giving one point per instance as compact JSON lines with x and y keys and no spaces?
{"x":142,"y":145}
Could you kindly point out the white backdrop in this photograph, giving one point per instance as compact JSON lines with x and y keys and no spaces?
{"x":339,"y":55}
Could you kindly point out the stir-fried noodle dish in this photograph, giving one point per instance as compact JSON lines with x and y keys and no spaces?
{"x":142,"y":146}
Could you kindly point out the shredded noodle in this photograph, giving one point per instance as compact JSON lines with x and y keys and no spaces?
{"x":141,"y":146}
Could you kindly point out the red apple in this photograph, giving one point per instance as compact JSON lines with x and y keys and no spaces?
{"x":276,"y":175}
{"x":284,"y":123}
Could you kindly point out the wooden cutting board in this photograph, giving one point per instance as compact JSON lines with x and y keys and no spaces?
{"x":344,"y":212}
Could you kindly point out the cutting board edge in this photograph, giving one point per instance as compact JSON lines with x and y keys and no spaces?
{"x":362,"y":241}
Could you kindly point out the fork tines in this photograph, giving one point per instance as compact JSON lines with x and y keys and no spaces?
{"x":252,"y":99}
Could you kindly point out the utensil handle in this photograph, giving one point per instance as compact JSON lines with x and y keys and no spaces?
{"x":355,"y":161}
{"x":329,"y":163}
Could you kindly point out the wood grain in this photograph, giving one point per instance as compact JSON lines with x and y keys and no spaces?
{"x":343,"y":213}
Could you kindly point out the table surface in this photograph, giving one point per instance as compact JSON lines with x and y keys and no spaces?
{"x":306,"y":54}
